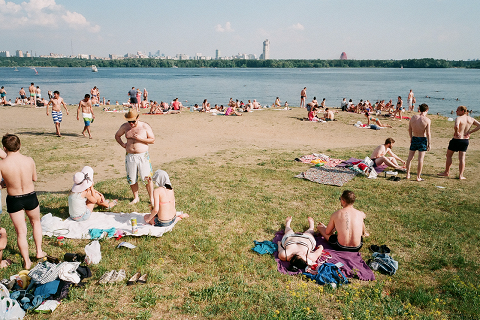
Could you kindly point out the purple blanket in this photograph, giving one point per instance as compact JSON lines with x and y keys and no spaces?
{"x":353,"y":160}
{"x":353,"y":264}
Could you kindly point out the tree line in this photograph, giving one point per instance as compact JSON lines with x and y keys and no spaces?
{"x":237,"y":63}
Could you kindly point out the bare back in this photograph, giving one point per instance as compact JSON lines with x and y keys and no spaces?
{"x":462,"y":125}
{"x":19,"y":173}
{"x":419,"y":126}
{"x":349,"y":224}
{"x":164,"y":203}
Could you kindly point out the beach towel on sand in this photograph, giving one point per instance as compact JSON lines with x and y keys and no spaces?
{"x":55,"y":226}
{"x":326,"y":175}
{"x":353,"y":264}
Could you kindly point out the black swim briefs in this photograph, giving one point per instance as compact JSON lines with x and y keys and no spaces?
{"x":27,"y":201}
{"x":458,"y":145}
{"x":333,"y":241}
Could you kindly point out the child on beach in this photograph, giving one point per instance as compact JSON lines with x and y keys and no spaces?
{"x":84,"y":197}
{"x":163,"y":213}
{"x":232,"y":112}
{"x":19,"y":173}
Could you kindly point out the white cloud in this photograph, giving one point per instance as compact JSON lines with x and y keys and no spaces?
{"x":44,"y":13}
{"x":227,"y":28}
{"x":298,"y":26}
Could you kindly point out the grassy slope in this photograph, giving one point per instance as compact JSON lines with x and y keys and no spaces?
{"x":205,"y":267}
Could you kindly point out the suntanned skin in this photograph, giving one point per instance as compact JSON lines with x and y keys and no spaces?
{"x":380,"y":152}
{"x":303,"y":97}
{"x":165,"y":211}
{"x":410,"y":101}
{"x":57,"y":103}
{"x":31,"y":90}
{"x":348,"y":222}
{"x":85,"y":106}
{"x":298,"y":248}
{"x":19,"y":173}
{"x":462,"y":130}
{"x":139,"y":135}
{"x":419,"y":126}
{"x":399,"y":108}
{"x":3,"y":232}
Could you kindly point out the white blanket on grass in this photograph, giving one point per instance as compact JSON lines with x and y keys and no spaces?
{"x":55,"y":226}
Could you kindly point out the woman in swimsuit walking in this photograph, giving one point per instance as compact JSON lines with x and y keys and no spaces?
{"x":163,"y":213}
{"x":299,"y":248}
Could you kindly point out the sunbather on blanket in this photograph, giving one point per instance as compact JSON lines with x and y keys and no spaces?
{"x":298,"y":248}
{"x":163,"y":213}
{"x":379,"y":158}
{"x":348,"y":223}
{"x":84,"y":197}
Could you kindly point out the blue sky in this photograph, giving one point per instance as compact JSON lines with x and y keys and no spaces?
{"x":316,"y":29}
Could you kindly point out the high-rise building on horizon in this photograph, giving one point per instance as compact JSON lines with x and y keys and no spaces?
{"x":217,"y":54}
{"x":266,"y":50}
{"x":19,"y":54}
{"x":343,"y":56}
{"x":5,"y":54}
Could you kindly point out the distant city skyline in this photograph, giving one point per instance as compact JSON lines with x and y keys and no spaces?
{"x":304,"y":29}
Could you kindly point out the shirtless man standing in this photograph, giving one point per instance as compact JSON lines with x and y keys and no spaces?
{"x":87,"y":114}
{"x":419,"y":131}
{"x":137,"y":160}
{"x":303,"y":96}
{"x":410,"y":101}
{"x":460,"y":140}
{"x":348,"y":222}
{"x":3,"y":95}
{"x":56,"y":103}
{"x":22,"y":95}
{"x":19,"y":173}
{"x":379,"y":158}
{"x":31,"y":91}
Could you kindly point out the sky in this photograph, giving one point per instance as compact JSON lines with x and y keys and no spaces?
{"x":302,"y":29}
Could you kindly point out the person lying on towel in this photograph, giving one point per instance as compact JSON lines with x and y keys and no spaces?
{"x":348,"y":223}
{"x":163,"y":213}
{"x":299,"y":248}
{"x":84,"y":197}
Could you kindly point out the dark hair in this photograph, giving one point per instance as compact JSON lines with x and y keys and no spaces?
{"x":87,"y":95}
{"x":348,"y":196}
{"x":11,"y":142}
{"x":296,"y":263}
{"x":389,"y":141}
{"x":423,"y":107}
{"x":57,"y":92}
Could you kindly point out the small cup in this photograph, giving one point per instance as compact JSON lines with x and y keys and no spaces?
{"x":60,"y":240}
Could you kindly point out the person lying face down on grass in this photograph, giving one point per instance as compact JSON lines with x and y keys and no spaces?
{"x":163,"y":213}
{"x":298,"y":248}
{"x":84,"y":197}
{"x":348,"y":223}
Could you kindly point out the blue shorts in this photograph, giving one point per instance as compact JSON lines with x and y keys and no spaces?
{"x":419,"y":143}
{"x":85,"y":216}
{"x":57,"y":116}
{"x":87,"y":122}
{"x":160,"y":223}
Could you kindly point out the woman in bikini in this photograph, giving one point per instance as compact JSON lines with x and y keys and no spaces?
{"x":163,"y":213}
{"x":299,"y":248}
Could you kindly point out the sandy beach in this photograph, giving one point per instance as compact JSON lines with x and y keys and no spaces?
{"x":188,"y":135}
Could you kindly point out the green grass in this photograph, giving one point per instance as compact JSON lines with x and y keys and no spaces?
{"x":204,"y":268}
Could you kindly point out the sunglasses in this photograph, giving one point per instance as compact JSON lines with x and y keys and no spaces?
{"x":132,"y":122}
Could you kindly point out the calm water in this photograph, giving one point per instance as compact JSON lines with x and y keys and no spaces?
{"x":443,"y":86}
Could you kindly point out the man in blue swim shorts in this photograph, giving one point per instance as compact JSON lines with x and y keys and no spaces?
{"x":419,"y":131}
{"x":137,"y":160}
{"x":56,"y":103}
{"x":461,"y":138}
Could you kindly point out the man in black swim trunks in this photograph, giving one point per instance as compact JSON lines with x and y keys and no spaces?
{"x":420,"y":137}
{"x":460,"y":140}
{"x":348,"y":225}
{"x":19,"y":173}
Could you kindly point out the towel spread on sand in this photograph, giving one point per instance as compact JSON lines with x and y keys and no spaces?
{"x":326,"y":160}
{"x":352,"y":161}
{"x":55,"y":226}
{"x":353,"y":264}
{"x":326,"y":175}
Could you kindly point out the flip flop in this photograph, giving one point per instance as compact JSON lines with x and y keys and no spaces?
{"x":133,"y":279}
{"x":384,"y":249}
{"x":397,"y":179}
{"x":142,"y":279}
{"x":374,"y":248}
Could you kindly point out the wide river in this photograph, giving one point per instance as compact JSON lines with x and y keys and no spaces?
{"x":442,"y":89}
